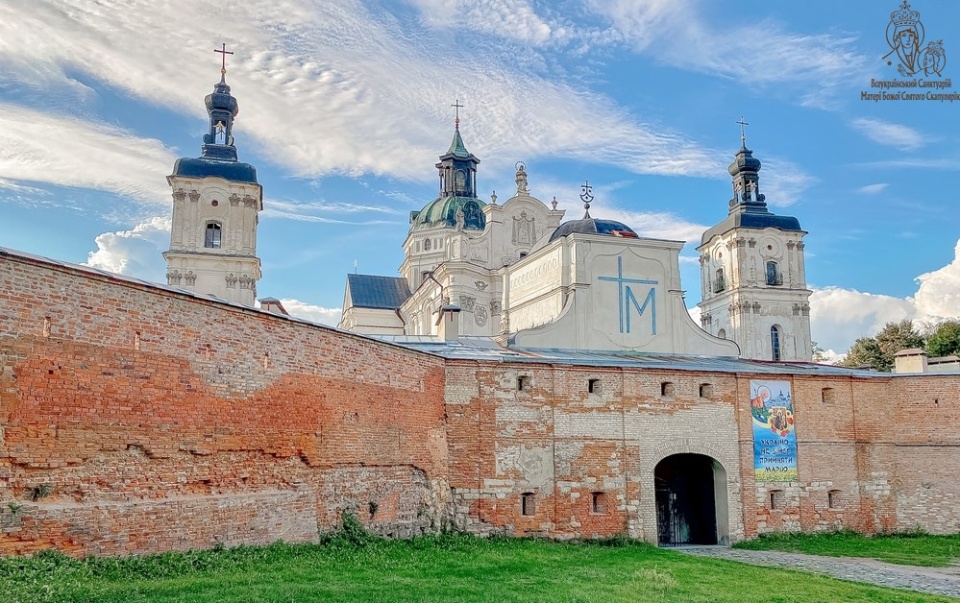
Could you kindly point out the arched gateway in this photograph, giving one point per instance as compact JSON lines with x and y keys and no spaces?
{"x":691,"y":498}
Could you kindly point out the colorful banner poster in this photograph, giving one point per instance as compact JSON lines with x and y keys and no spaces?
{"x":774,"y":431}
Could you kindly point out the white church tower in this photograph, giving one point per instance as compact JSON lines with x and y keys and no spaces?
{"x":752,"y":274}
{"x":216,"y":201}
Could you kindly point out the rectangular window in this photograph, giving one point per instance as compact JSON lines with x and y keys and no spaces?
{"x":593,"y":386}
{"x":212,"y":236}
{"x":776,"y":499}
{"x":523,"y":383}
{"x":599,"y":502}
{"x":833,"y":499}
{"x":827,"y":395}
{"x":528,"y":504}
{"x":706,"y":390}
{"x":667,"y":389}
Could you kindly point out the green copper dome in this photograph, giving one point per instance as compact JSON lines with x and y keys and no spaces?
{"x":443,"y":212}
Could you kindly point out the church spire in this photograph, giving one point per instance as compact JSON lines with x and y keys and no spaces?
{"x":458,"y":166}
{"x":746,"y":180}
{"x":222,"y":109}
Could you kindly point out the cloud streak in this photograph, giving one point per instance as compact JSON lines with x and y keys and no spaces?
{"x":312,"y":94}
{"x":889,"y":134}
{"x":40,"y":147}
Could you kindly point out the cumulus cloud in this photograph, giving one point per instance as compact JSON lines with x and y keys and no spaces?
{"x":135,"y":252}
{"x":311,"y":312}
{"x":839,"y":316}
{"x":889,"y":134}
{"x":938,"y":296}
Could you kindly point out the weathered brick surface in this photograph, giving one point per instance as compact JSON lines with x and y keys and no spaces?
{"x":135,"y":419}
{"x":115,"y":398}
{"x":881,"y":450}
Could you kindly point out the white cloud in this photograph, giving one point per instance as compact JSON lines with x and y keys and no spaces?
{"x":938,"y":296}
{"x":839,"y":316}
{"x":311,"y":312}
{"x":783,"y":182}
{"x":135,"y":252}
{"x":755,"y":52}
{"x":510,"y":19}
{"x":873,"y":189}
{"x":889,"y":134}
{"x":319,"y":211}
{"x":65,"y":151}
{"x":331,"y":87}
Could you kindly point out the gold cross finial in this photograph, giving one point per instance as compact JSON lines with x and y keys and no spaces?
{"x":457,"y":106}
{"x":223,"y":62}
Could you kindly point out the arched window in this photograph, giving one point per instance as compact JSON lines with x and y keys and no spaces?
{"x":426,"y":244}
{"x":212,"y":237}
{"x":719,"y":284}
{"x":722,"y":334}
{"x":773,"y":274}
{"x":775,"y":342}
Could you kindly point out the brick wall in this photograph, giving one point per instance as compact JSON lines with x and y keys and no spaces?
{"x":874,"y":454}
{"x":121,"y":402}
{"x":136,"y":419}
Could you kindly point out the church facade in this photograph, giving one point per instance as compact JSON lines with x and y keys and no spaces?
{"x":522,"y":376}
{"x":513,"y":272}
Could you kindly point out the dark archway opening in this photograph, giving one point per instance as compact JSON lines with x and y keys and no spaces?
{"x":687,"y":486}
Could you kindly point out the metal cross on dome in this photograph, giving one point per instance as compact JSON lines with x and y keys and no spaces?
{"x":743,"y":132}
{"x":223,"y":52}
{"x":457,"y":106}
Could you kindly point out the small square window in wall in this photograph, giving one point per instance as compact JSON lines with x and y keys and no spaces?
{"x":593,"y":386}
{"x":776,"y":500}
{"x":828,"y":395}
{"x":833,"y":499}
{"x":599,"y":502}
{"x":706,"y":390}
{"x":528,"y":504}
{"x":524,"y":383}
{"x":668,"y":389}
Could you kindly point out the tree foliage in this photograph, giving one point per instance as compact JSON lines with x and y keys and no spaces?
{"x":944,"y":340}
{"x":865,"y":351}
{"x":878,"y":351}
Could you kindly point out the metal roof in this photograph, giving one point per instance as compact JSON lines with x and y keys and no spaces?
{"x":378,"y":292}
{"x":488,"y":349}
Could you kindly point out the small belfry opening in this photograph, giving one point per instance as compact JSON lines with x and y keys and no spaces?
{"x":691,"y":499}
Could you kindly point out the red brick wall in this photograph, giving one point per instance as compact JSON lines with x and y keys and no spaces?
{"x":136,"y":419}
{"x":885,"y":447}
{"x":120,"y":402}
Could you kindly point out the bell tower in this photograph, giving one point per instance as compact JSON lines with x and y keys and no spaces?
{"x":752,"y":272}
{"x":216,"y":205}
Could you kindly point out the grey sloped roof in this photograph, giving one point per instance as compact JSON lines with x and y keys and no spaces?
{"x":487,"y":348}
{"x":752,"y":219}
{"x":380,"y":292}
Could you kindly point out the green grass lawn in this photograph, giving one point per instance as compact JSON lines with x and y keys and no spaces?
{"x":905,"y":549}
{"x":446,"y":568}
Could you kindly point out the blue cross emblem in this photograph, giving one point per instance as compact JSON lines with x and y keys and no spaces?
{"x":627,"y":298}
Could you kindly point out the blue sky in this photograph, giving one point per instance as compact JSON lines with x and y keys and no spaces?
{"x":345,"y":106}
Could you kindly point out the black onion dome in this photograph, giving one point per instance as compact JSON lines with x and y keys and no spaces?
{"x":744,"y":162}
{"x":593,"y":226}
